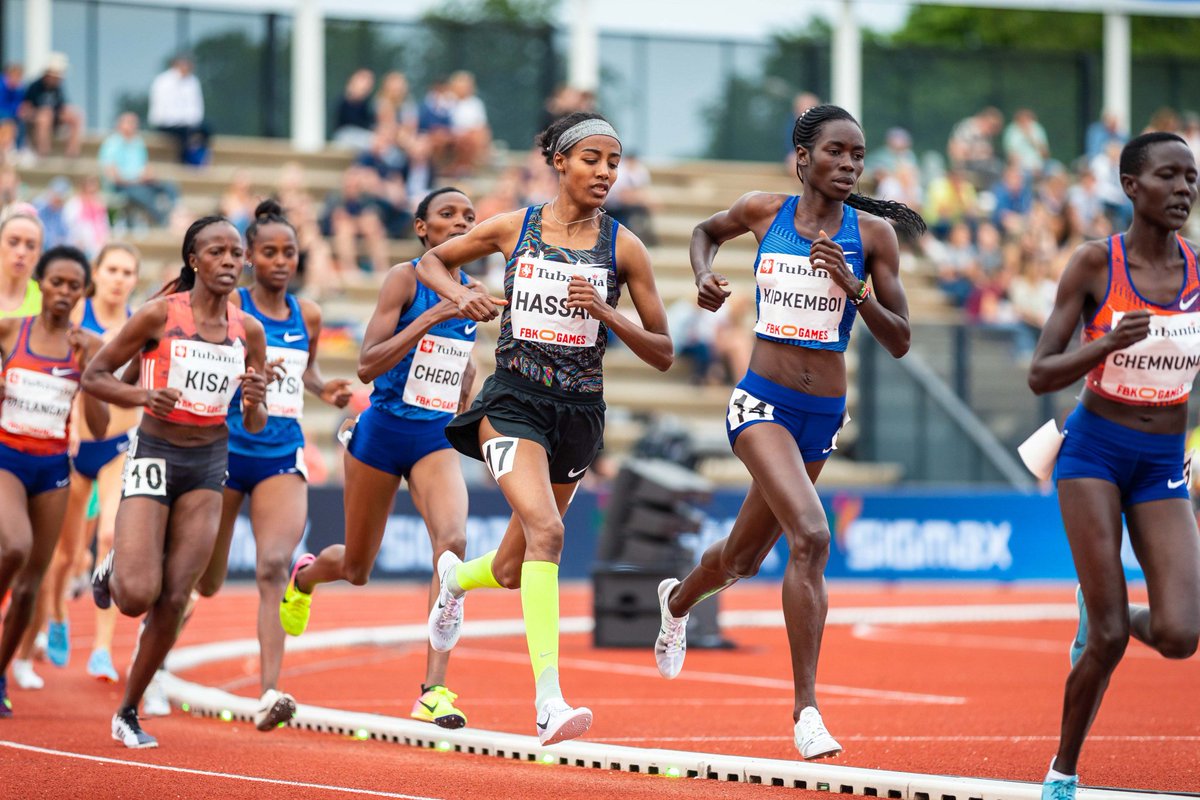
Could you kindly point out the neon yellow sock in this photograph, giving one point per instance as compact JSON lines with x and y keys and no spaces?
{"x":539,"y":606}
{"x":476,"y":573}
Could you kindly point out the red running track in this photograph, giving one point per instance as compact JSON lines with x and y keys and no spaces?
{"x":977,"y":699}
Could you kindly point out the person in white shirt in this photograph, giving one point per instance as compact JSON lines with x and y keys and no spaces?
{"x":177,"y":109}
{"x":468,"y":125}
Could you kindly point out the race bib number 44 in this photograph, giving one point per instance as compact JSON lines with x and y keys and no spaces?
{"x":1161,"y":367}
{"x":435,"y":378}
{"x":285,"y":397}
{"x":205,"y":374}
{"x":36,"y":404}
{"x":539,"y":302}
{"x":797,"y":300}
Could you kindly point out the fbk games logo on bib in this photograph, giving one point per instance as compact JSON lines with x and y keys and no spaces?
{"x":426,"y":345}
{"x":525,"y":270}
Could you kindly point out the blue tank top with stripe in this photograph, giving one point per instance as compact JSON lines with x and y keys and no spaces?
{"x":288,"y":338}
{"x":89,"y":321}
{"x":388,"y":392}
{"x":782,"y":237}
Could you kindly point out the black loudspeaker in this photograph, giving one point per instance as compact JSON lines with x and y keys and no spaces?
{"x":651,"y":504}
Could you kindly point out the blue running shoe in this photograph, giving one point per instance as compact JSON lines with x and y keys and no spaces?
{"x":58,"y":643}
{"x":1061,"y":789}
{"x":100,"y":665}
{"x":5,"y":703}
{"x":1080,"y":640}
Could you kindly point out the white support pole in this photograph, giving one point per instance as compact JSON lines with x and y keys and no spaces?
{"x":583,"y":65}
{"x":308,"y":77}
{"x":1118,"y":68}
{"x":847,"y":60}
{"x":37,"y":36}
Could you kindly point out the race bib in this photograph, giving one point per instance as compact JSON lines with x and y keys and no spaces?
{"x":206,"y":375}
{"x":146,"y":477}
{"x":797,"y":300}
{"x":37,"y":404}
{"x":1161,"y":367}
{"x":745,"y":407}
{"x":285,"y":397}
{"x":539,"y":310}
{"x":435,"y":377}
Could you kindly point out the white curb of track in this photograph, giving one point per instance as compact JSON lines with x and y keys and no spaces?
{"x":208,"y":701}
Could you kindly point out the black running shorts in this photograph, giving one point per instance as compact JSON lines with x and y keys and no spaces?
{"x":162,"y":471}
{"x":568,"y":426}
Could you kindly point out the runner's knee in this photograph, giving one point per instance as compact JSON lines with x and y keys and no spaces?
{"x":1108,"y":638}
{"x":272,"y":569}
{"x":808,"y":540}
{"x":13,"y":558}
{"x":1175,"y":641}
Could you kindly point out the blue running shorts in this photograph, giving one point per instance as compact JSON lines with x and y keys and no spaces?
{"x":394,"y":444}
{"x":246,"y":472}
{"x":814,"y":422}
{"x":1144,"y":466}
{"x":95,"y":456}
{"x":37,"y":473}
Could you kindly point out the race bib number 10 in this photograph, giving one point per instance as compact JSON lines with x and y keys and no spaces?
{"x":146,"y":477}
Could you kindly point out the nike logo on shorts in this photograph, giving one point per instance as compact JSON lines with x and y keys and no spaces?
{"x":1176,"y":484}
{"x":293,"y":337}
{"x":575,"y":473}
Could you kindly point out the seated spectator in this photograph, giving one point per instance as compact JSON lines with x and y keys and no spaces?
{"x":239,"y":201}
{"x":971,"y":146}
{"x":1014,"y":197}
{"x":1106,"y":167}
{"x":388,"y":166}
{"x":87,"y":217}
{"x":354,"y":118}
{"x":1164,"y":120}
{"x":958,"y":265}
{"x":951,"y":199}
{"x":897,"y":150}
{"x":901,"y":184}
{"x":1025,"y":142}
{"x":468,"y":126}
{"x":630,"y":201}
{"x":45,"y":110}
{"x":317,"y":273}
{"x":506,"y":195}
{"x":1101,"y":132}
{"x":433,"y":121}
{"x":124,"y":164}
{"x":1084,"y":202}
{"x":12,"y":94}
{"x":398,"y":116}
{"x":177,"y":109}
{"x":352,"y":214}
{"x":565,"y":100}
{"x":50,"y":209}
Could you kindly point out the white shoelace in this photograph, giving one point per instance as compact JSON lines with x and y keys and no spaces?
{"x":449,"y":616}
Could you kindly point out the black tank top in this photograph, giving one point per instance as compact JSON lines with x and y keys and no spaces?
{"x":540,"y":338}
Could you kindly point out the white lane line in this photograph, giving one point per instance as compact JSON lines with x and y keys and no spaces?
{"x":975,"y":641}
{"x":934,"y":739}
{"x":721,"y":677}
{"x":207,"y":774}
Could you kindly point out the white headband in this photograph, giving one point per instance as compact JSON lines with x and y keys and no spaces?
{"x":581,"y":130}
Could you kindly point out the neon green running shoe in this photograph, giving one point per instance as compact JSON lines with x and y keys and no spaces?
{"x":436,"y":705}
{"x":294,"y":608}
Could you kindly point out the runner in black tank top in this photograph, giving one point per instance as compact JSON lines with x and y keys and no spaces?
{"x":538,"y":421}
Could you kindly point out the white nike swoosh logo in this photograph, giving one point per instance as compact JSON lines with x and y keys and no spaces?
{"x":470,"y":328}
{"x":827,"y":450}
{"x":1186,"y":304}
{"x":575,"y":473}
{"x":293,"y":337}
{"x":61,"y":371}
{"x":1175,"y":484}
{"x":849,"y":252}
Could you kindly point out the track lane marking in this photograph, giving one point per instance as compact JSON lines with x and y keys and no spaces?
{"x":206,"y":773}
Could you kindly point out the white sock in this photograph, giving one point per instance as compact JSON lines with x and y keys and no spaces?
{"x":1055,"y":775}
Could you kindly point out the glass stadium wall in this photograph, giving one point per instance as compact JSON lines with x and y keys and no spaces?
{"x":674,"y":98}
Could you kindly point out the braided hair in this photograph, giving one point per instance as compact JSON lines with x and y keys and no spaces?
{"x":805,"y":133}
{"x":187,"y":276}
{"x":268,"y":212}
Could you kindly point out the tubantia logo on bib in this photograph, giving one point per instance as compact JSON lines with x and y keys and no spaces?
{"x":525,"y":270}
{"x":426,"y":346}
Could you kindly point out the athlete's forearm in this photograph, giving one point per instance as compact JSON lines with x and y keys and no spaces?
{"x":1050,"y":373}
{"x":103,"y":385}
{"x":702,"y":252}
{"x":889,"y":328}
{"x":95,"y":413}
{"x":254,"y":417}
{"x":379,"y":358}
{"x":655,"y":349}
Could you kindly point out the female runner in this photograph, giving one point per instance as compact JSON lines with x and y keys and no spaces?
{"x":43,"y":358}
{"x":1123,"y":446}
{"x":97,"y":463}
{"x":538,"y":421}
{"x":785,"y":414}
{"x":269,"y":466}
{"x":196,"y":349}
{"x":417,"y":350}
{"x":20,"y":245}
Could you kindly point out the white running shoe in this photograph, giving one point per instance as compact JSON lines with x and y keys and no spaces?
{"x":275,"y":708}
{"x":446,"y":616}
{"x":558,"y":722}
{"x":812,"y":740}
{"x":23,"y":674}
{"x":671,"y":645}
{"x":128,"y":731}
{"x":154,"y":700}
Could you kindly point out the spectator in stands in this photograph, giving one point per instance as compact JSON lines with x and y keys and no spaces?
{"x":468,"y":125}
{"x":565,"y":100}
{"x":354,"y":119}
{"x":1191,"y":132}
{"x":352,"y":214}
{"x":1101,"y":132}
{"x":239,"y":201}
{"x":12,"y":94}
{"x":1106,"y":168}
{"x":10,"y":187}
{"x":1164,"y":120}
{"x":972,"y":145}
{"x":87,"y":217}
{"x":951,"y":199}
{"x":1025,"y":142}
{"x":316,"y":272}
{"x":901,"y":184}
{"x":177,"y":109}
{"x":630,"y":201}
{"x":897,"y":150}
{"x":1014,"y":197}
{"x":45,"y":110}
{"x":50,"y":209}
{"x":125,"y":166}
{"x":388,"y":166}
{"x":1084,"y":202}
{"x":958,"y":264}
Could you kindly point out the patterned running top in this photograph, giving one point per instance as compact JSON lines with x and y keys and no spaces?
{"x":540,"y":338}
